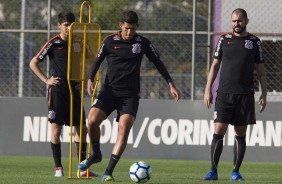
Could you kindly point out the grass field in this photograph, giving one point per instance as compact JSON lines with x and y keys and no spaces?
{"x":37,"y":170}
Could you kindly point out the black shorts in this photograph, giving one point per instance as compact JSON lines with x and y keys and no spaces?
{"x":235,"y":109}
{"x":124,"y":105}
{"x":59,"y":106}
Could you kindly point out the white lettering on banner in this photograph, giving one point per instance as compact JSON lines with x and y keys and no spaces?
{"x":273,"y":134}
{"x":206,"y":132}
{"x":169,"y":132}
{"x":185,"y":131}
{"x":37,"y":129}
{"x":151,"y":131}
{"x":31,"y":129}
{"x":162,"y":131}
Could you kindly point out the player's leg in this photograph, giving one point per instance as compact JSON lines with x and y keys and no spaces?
{"x":56,"y":113}
{"x":239,"y":151}
{"x":216,"y":149}
{"x":124,"y":127}
{"x":82,"y":172}
{"x":244,"y":115}
{"x":217,"y":143}
{"x":77,"y":140}
{"x":127,"y":109}
{"x":95,"y":117}
{"x":239,"y":146}
{"x":81,"y":132}
{"x":223,"y":113}
{"x":56,"y":148}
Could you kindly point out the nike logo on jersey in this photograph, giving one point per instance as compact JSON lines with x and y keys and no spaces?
{"x":230,"y":43}
{"x":116,"y":47}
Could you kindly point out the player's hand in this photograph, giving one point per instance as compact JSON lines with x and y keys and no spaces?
{"x":54,"y":81}
{"x":208,"y":99}
{"x":174,"y":91}
{"x":262,"y":102}
{"x":90,"y":87}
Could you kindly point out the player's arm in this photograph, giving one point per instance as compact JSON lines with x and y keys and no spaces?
{"x":211,"y":77}
{"x":262,"y":80}
{"x":94,"y":69}
{"x":37,"y":71}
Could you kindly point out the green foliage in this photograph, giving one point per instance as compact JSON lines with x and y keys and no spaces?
{"x":40,"y":170}
{"x":107,"y":12}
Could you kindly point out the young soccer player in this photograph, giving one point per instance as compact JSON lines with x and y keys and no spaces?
{"x":58,"y":91}
{"x":124,"y":51}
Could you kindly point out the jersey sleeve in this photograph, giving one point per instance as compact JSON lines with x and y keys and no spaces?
{"x":103,"y":52}
{"x":259,"y":58}
{"x":45,"y":50}
{"x":218,"y":49}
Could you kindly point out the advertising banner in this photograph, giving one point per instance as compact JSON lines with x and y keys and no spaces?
{"x":163,"y":129}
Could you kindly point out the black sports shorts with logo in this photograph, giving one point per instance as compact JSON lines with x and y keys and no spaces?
{"x":107,"y":102}
{"x":235,"y":109}
{"x":59,"y":105}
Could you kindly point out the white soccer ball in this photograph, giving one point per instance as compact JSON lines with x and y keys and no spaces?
{"x":140,"y":172}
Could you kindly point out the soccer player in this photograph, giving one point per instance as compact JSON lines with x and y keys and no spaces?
{"x":124,"y":51}
{"x":237,"y":54}
{"x":58,"y":91}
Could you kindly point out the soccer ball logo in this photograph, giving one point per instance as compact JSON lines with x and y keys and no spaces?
{"x":140,"y":172}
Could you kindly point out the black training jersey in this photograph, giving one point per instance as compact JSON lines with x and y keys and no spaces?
{"x":57,"y":50}
{"x":124,"y":62}
{"x":238,"y":55}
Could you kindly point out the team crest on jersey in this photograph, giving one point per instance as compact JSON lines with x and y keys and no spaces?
{"x":116,"y":37}
{"x":136,"y":48}
{"x":249,"y":44}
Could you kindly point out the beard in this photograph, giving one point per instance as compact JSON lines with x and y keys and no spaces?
{"x":240,"y":30}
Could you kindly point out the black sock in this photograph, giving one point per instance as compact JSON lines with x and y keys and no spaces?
{"x":95,"y":147}
{"x":56,"y":149}
{"x":216,"y":150}
{"x":112,"y":164}
{"x":83,"y":151}
{"x":239,"y":152}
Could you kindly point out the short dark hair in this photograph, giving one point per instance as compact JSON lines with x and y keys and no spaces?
{"x":66,"y":16}
{"x":242,"y":11}
{"x":130,"y":17}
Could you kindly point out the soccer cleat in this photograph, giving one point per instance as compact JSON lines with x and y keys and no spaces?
{"x":59,"y":172}
{"x":107,"y":178}
{"x":83,"y":173}
{"x":212,"y":175}
{"x":236,"y":176}
{"x":85,"y":164}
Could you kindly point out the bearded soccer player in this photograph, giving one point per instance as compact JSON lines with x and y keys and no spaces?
{"x":237,"y":53}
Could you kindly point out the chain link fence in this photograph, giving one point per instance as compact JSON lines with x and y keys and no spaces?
{"x":183,"y":31}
